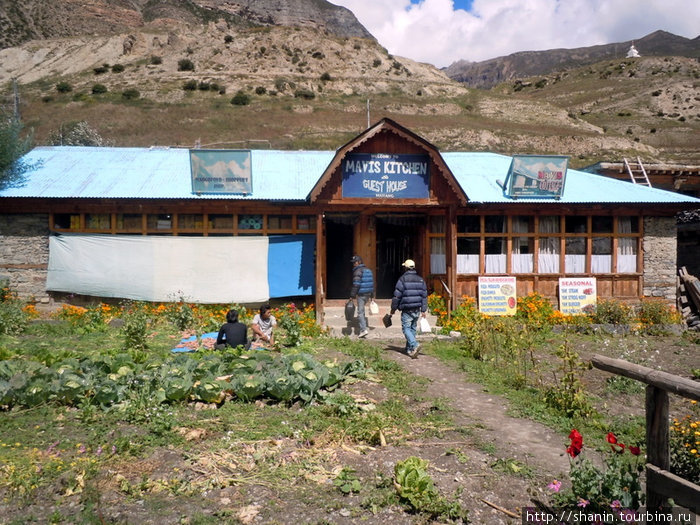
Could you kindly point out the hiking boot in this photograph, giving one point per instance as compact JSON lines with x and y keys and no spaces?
{"x":363,"y":333}
{"x":413,"y":352}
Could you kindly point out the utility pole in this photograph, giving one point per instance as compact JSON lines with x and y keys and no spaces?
{"x":368,"y":113}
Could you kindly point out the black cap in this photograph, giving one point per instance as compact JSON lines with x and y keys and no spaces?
{"x":356,"y":259}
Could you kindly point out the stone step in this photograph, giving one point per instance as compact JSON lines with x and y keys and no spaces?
{"x":334,"y":320}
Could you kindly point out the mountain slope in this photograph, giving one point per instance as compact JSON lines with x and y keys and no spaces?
{"x":488,"y":73}
{"x":39,"y":19}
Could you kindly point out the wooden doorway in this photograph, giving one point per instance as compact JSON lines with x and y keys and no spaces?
{"x":398,"y":238}
{"x":339,"y":250}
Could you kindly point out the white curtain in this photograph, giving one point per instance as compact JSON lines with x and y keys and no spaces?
{"x":438,"y":263}
{"x":468,"y":263}
{"x":521,"y":262}
{"x":548,"y":257}
{"x":575,"y":255}
{"x":601,"y":260}
{"x":626,"y":248}
{"x":496,"y":263}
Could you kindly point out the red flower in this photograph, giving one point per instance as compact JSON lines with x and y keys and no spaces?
{"x":611,"y":438}
{"x":614,"y":444}
{"x":576,"y":439}
{"x":635,"y":451}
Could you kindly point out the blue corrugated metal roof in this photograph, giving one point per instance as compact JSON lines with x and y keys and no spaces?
{"x":481,"y":174}
{"x":159,"y":173}
{"x":164,"y":173}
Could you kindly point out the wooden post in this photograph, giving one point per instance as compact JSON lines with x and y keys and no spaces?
{"x":320,"y":267}
{"x":658,"y":452}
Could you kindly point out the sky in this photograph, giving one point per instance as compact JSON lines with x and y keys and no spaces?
{"x":441,"y":32}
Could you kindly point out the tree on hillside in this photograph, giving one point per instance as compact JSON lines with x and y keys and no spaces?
{"x":12,"y":147}
{"x":76,"y":134}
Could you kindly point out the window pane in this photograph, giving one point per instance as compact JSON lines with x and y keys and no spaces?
{"x":522,"y":224}
{"x":279,"y":222}
{"x":129,"y":222}
{"x":437,"y":224}
{"x":98,"y":221}
{"x":494,"y":224}
{"x":575,"y":255}
{"x":549,"y":224}
{"x":467,"y":255}
{"x":576,"y":224}
{"x":190,"y":221}
{"x":220,"y":222}
{"x":626,"y":255}
{"x":521,"y":256}
{"x":495,"y":255}
{"x":250,"y":222}
{"x":468,"y":224}
{"x":628,"y":225}
{"x":601,"y":260}
{"x":438,"y":263}
{"x":66,"y":221}
{"x":159,"y":221}
{"x":602,"y":224}
{"x":306,"y":222}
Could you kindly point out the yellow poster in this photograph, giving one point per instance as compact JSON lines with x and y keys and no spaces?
{"x":576,"y":293}
{"x":497,"y":295}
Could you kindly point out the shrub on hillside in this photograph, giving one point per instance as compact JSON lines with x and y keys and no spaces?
{"x":240,"y":99}
{"x":130,"y":94}
{"x":189,"y":85}
{"x":185,"y":64}
{"x":304,"y":93}
{"x":64,"y":87}
{"x":98,"y":89}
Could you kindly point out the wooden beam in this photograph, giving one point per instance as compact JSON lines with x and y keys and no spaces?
{"x":668,"y":485}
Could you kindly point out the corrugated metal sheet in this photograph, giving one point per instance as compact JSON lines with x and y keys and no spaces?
{"x":164,"y":173}
{"x":159,"y":173}
{"x":481,"y":176}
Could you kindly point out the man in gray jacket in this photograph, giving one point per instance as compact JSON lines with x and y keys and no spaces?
{"x":411,"y":297}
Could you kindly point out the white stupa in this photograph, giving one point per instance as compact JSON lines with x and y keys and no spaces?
{"x":633,"y":53}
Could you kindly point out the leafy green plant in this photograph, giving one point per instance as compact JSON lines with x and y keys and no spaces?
{"x":98,"y":89}
{"x":685,"y":446}
{"x":610,"y":311}
{"x":347,"y":482}
{"x":568,"y":395}
{"x":185,"y":64}
{"x":130,"y":94}
{"x":64,"y":87}
{"x":240,"y":99}
{"x":416,"y":488}
{"x":136,"y":321}
{"x":654,"y":315}
{"x":13,"y":317}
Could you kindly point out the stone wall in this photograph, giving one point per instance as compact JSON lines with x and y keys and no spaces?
{"x":659,"y":249}
{"x":24,"y":254}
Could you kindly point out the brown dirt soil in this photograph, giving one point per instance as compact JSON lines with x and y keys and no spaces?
{"x":463,"y":460}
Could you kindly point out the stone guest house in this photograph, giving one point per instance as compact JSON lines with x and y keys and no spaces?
{"x":130,"y":222}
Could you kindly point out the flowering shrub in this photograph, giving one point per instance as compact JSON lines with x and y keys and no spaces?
{"x":615,"y":488}
{"x":568,"y":395}
{"x":297,"y":322}
{"x":535,"y":310}
{"x":610,"y":311}
{"x":437,"y":305}
{"x":685,"y":444}
{"x":654,"y":314}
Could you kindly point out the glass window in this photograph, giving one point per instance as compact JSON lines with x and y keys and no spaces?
{"x":159,"y":221}
{"x":575,"y":255}
{"x":495,"y":255}
{"x":129,"y":221}
{"x":98,"y":221}
{"x":601,"y":258}
{"x":602,"y":224}
{"x":437,"y":224}
{"x":548,"y":224}
{"x":576,"y":224}
{"x":467,"y":255}
{"x":306,"y":222}
{"x":468,"y":224}
{"x":438,"y":263}
{"x":279,"y":222}
{"x":628,"y":224}
{"x":190,"y":221}
{"x":250,"y":222}
{"x":220,"y":222}
{"x":521,"y":254}
{"x":66,"y":221}
{"x":522,"y":224}
{"x":494,"y":224}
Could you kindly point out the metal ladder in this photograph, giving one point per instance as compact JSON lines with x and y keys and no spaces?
{"x":637,"y":172}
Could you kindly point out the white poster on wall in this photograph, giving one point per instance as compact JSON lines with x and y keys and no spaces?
{"x":576,"y":293}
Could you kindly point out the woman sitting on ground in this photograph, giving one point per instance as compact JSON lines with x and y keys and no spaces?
{"x":233,"y":333}
{"x":263,"y":323}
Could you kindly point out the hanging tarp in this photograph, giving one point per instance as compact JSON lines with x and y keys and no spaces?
{"x":290,"y":265}
{"x":153,"y":268}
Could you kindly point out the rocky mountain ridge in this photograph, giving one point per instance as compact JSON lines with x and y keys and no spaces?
{"x":39,"y":19}
{"x":488,"y":73}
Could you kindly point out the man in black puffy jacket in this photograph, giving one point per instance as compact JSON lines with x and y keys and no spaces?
{"x":363,"y":290}
{"x":411,"y":297}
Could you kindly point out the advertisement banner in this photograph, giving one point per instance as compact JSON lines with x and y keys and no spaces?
{"x":386,"y":176}
{"x":497,"y":295}
{"x":536,"y":176}
{"x":576,"y":293}
{"x":221,"y":171}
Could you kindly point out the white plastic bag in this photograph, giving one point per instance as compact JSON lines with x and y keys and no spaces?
{"x":373,"y":307}
{"x":424,"y":326}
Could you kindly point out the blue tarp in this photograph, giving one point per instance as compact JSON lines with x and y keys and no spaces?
{"x":290,"y":265}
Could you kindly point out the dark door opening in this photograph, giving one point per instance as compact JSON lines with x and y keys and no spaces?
{"x":397,"y":240}
{"x":339,"y":242}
